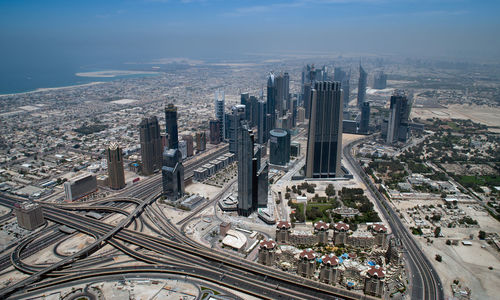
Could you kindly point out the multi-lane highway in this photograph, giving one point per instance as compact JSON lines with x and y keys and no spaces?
{"x":425,"y":282}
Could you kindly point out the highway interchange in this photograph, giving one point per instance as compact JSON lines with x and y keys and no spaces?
{"x":171,"y":252}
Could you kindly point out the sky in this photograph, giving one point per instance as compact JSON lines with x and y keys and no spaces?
{"x":140,"y":30}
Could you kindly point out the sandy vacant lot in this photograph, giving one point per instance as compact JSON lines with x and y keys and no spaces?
{"x":480,"y":114}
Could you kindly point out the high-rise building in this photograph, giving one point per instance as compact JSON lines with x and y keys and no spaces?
{"x":279,"y":153}
{"x":151,"y":150}
{"x":346,"y":92}
{"x":380,"y":80}
{"x":171,"y":126}
{"x":252,"y":176}
{"x":220,"y":112}
{"x":398,"y":128}
{"x":29,"y":215}
{"x":116,"y":174}
{"x":365,"y":118}
{"x":189,"y":144}
{"x":201,"y":141}
{"x":262,"y":123}
{"x":307,"y":99}
{"x":361,"y":86}
{"x":245,"y":100}
{"x":338,"y":74}
{"x":271,"y":99}
{"x":79,"y":186}
{"x":215,"y":137}
{"x":301,"y":115}
{"x":172,"y":174}
{"x":324,"y":143}
{"x":183,"y":148}
{"x":282,"y":91}
{"x":245,"y":171}
{"x":237,"y":115}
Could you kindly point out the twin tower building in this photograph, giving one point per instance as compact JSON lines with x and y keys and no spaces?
{"x":168,"y":159}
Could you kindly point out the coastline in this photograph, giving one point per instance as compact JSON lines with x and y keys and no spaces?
{"x":53,"y":88}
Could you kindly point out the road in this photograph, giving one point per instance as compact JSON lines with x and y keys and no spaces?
{"x":425,"y":282}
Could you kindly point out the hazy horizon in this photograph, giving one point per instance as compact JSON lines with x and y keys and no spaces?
{"x":49,"y":36}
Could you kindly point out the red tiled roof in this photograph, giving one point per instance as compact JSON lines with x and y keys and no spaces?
{"x":352,"y":255}
{"x":342,"y":226}
{"x":379,"y":228}
{"x":330,"y":259}
{"x":320,"y":225}
{"x":376,"y":271}
{"x":308,"y":253}
{"x":269,"y":244}
{"x":284,"y":224}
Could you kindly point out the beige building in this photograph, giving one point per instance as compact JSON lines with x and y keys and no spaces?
{"x":267,"y":252}
{"x":307,"y":263}
{"x":283,"y":232}
{"x":340,"y":233}
{"x":374,"y":281}
{"x":329,"y":271}
{"x":116,"y":174}
{"x":321,"y":230}
{"x":29,"y":215}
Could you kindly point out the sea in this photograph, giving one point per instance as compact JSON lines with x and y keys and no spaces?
{"x":30,"y":78}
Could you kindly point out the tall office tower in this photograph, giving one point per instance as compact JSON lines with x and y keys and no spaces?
{"x":254,"y":106}
{"x":172,"y":174}
{"x":346,"y":92}
{"x":151,"y":150}
{"x":324,"y":143}
{"x":201,"y":141}
{"x":245,"y":171}
{"x":279,"y":153}
{"x":245,"y":100}
{"x":380,"y":80}
{"x":262,"y":185}
{"x":361,"y":86}
{"x":183,"y":148}
{"x":171,"y":126}
{"x":215,"y":137}
{"x":307,"y":99}
{"x":219,"y":112}
{"x":262,"y":121}
{"x":116,"y":174}
{"x":227,"y":125}
{"x":338,"y":74}
{"x":253,"y":181}
{"x":398,"y":128}
{"x":365,"y":118}
{"x":271,"y":99}
{"x":237,"y":114}
{"x":301,"y":115}
{"x":189,"y":144}
{"x":294,"y":111}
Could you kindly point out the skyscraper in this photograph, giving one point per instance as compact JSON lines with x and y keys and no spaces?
{"x":307,"y":98}
{"x":361,"y":86}
{"x":279,"y":153}
{"x":172,"y":174}
{"x":116,"y":174}
{"x":346,"y":89}
{"x":189,"y":144}
{"x":380,"y":81}
{"x":201,"y":141}
{"x":365,"y":118}
{"x":282,"y":91}
{"x":237,"y":114}
{"x":171,"y":126}
{"x":324,"y":143}
{"x":252,"y":176}
{"x":151,"y":150}
{"x":219,"y":112}
{"x":271,"y":99}
{"x":398,"y":128}
{"x":215,"y":132}
{"x":262,"y":122}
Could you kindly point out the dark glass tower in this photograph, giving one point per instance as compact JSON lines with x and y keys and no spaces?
{"x":324,"y":143}
{"x":398,"y":128}
{"x":151,"y":150}
{"x":365,"y":118}
{"x":237,"y":115}
{"x":279,"y":148}
{"x":171,"y":126}
{"x":173,"y":174}
{"x":361,"y":86}
{"x":271,"y":99}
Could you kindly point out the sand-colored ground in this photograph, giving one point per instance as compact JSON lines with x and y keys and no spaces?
{"x":204,"y":190}
{"x":478,"y":113}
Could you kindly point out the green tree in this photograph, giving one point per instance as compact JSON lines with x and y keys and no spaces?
{"x":437,"y":231}
{"x":482,"y":235}
{"x":330,"y":190}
